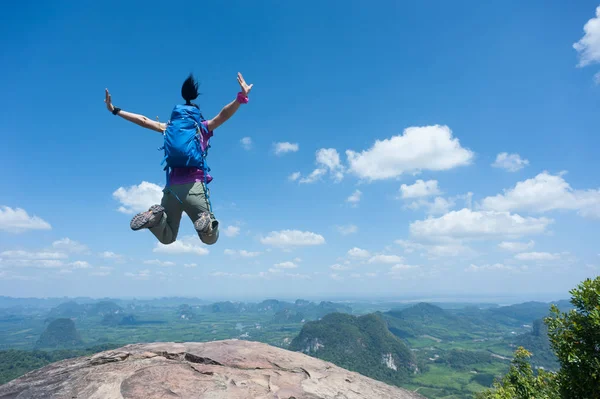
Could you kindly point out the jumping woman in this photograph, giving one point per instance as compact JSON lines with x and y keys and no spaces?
{"x":186,"y":138}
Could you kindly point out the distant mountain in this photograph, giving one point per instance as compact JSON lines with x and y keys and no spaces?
{"x":73,"y":309}
{"x":186,"y":312}
{"x":538,"y":343}
{"x":60,"y":334}
{"x":362,"y":344}
{"x":426,"y":319}
{"x":528,"y":311}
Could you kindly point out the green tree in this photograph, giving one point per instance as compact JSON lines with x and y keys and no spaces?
{"x":575,"y":338}
{"x":521,"y":383}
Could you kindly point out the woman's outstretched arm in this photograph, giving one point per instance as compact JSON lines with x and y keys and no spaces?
{"x":231,"y":108}
{"x":138,"y":119}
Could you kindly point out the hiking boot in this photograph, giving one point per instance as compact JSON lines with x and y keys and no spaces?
{"x":203,"y":224}
{"x":148,"y":219}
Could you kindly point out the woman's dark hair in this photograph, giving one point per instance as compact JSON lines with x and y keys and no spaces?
{"x":189,"y":90}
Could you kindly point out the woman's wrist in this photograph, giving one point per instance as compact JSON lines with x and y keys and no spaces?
{"x":242,"y":98}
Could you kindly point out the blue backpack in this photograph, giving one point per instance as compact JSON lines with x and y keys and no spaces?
{"x":182,"y":142}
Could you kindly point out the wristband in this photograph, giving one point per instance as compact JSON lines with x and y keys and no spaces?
{"x":116,"y":110}
{"x":241,"y":98}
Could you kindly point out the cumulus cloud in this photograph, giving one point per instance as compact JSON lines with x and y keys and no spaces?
{"x":184,"y":245}
{"x":437,"y":250}
{"x":420,"y":189}
{"x":241,"y":253}
{"x":437,"y":206}
{"x":512,"y":246}
{"x":287,"y":238}
{"x":18,"y":220}
{"x":283,"y":148}
{"x":466,"y":223}
{"x":510,"y":162}
{"x":490,"y":267}
{"x":294,"y":176}
{"x":139,"y":275}
{"x":66,"y":244}
{"x":416,"y":149}
{"x":110,"y":255}
{"x":285,"y":265}
{"x":386,"y":259}
{"x":159,"y":263}
{"x":338,"y":267}
{"x":20,"y":254}
{"x":189,"y":265}
{"x":231,"y":231}
{"x":246,"y":143}
{"x":588,"y":47}
{"x":101,"y":271}
{"x":138,"y":198}
{"x":80,"y":264}
{"x":543,"y":193}
{"x":354,"y":198}
{"x":347,"y":229}
{"x":537,"y":256}
{"x":327,"y":160}
{"x":358,"y":253}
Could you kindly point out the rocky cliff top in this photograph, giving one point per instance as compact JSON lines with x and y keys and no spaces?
{"x":229,"y":369}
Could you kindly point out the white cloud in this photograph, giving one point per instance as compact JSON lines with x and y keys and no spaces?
{"x":510,"y":162}
{"x":18,"y":220}
{"x":470,"y":224}
{"x":110,"y":255}
{"x":189,"y":265}
{"x":516,"y":246}
{"x":338,"y":267}
{"x":355,"y":197}
{"x":20,"y":254}
{"x":420,"y":189}
{"x":285,"y":265}
{"x":371,"y":274}
{"x":138,"y":198}
{"x":101,"y":271}
{"x":286,"y":238}
{"x":242,"y":252}
{"x":246,"y":143}
{"x":272,"y":270}
{"x":294,"y":176}
{"x":588,"y":47}
{"x":80,"y":264}
{"x":386,"y":259}
{"x":537,"y":256}
{"x":282,"y":148}
{"x":66,"y":244}
{"x":597,"y":78}
{"x":335,"y":276}
{"x":543,"y":193}
{"x":492,"y":267}
{"x":185,"y":245}
{"x":314,"y":176}
{"x":231,"y":231}
{"x":244,"y":276}
{"x":327,"y":159}
{"x":418,"y":148}
{"x":159,"y":263}
{"x":347,"y":229}
{"x":140,"y":275}
{"x":438,"y":206}
{"x":358,"y":253}
{"x":402,"y":267}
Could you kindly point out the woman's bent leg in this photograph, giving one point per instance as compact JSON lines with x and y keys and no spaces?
{"x":167,"y":228}
{"x":195,"y":205}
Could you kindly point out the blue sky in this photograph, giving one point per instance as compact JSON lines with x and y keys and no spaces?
{"x":432,"y":149}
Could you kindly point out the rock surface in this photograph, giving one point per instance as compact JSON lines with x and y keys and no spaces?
{"x":229,"y":369}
